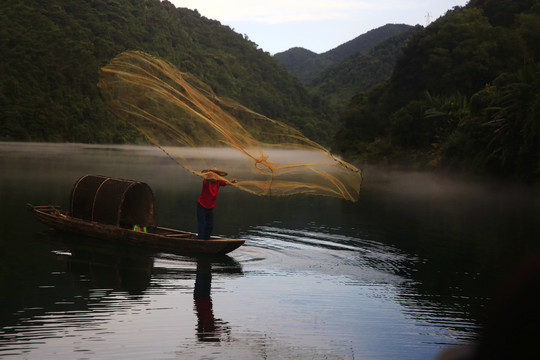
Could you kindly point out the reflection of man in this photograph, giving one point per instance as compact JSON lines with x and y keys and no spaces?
{"x":207,"y":201}
{"x":203,"y":302}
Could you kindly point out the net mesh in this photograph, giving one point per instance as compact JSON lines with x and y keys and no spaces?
{"x":199,"y":130}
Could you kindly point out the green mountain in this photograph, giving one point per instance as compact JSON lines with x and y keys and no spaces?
{"x":358,"y":73}
{"x":465,"y":95}
{"x":307,"y":65}
{"x":52,"y":52}
{"x":296,"y":59}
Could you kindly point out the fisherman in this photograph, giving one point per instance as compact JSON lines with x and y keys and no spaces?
{"x":207,"y":200}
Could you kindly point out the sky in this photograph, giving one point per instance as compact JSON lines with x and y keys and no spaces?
{"x":316,"y":25}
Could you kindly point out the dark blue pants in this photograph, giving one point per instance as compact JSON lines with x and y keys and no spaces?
{"x":205,"y":220}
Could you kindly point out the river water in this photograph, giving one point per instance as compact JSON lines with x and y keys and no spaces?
{"x":407,"y":272}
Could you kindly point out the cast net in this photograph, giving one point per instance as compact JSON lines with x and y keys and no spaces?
{"x":199,"y":130}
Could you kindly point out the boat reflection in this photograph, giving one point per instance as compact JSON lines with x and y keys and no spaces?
{"x":79,"y":287}
{"x":127,"y":270}
{"x":113,"y":269}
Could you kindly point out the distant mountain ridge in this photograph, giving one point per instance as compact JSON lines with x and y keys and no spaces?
{"x":359,"y":73}
{"x":307,"y":65}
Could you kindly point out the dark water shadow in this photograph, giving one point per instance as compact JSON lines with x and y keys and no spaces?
{"x":78,"y":280}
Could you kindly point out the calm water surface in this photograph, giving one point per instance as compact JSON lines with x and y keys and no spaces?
{"x":404,"y":273}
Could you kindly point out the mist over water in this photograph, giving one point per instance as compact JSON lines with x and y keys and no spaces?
{"x":405,"y":272}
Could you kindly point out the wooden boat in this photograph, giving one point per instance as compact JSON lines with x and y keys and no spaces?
{"x":123,"y":211}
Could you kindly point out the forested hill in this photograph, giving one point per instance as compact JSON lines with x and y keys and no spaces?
{"x":358,"y":73}
{"x":52,"y":52}
{"x":307,"y":65}
{"x":464,"y":95}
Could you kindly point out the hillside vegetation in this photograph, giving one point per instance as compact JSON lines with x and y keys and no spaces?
{"x":360,"y":72}
{"x":464,"y":95}
{"x":307,"y":65}
{"x":52,"y":52}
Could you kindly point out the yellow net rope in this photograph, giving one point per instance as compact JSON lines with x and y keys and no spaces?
{"x":199,"y":130}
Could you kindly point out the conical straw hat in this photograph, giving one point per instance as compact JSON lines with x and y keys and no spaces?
{"x":216,"y":171}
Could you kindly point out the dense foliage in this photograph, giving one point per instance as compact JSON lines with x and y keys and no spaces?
{"x":464,"y":95}
{"x":358,"y":73}
{"x":52,"y":51}
{"x":307,"y":65}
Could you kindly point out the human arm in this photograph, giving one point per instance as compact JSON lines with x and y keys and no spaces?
{"x":227,"y":182}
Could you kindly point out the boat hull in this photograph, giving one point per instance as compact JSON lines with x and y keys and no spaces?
{"x":158,"y":238}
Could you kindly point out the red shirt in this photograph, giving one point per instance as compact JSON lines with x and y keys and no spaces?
{"x":209,"y":193}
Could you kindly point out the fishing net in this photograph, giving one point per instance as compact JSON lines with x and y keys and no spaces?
{"x":199,"y":130}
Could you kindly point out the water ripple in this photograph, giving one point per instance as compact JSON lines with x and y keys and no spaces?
{"x":275,"y":249}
